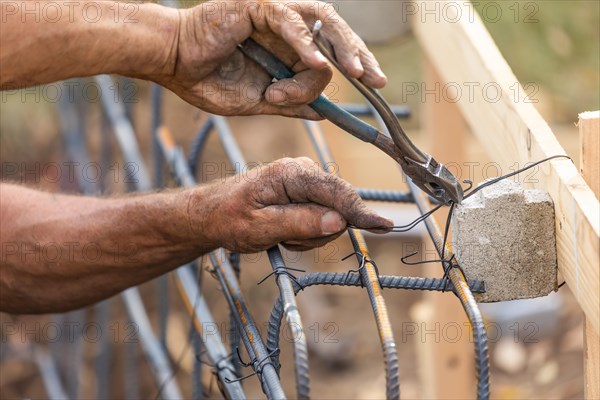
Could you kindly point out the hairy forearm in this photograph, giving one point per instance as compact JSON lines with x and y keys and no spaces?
{"x":46,"y":41}
{"x":61,"y":252}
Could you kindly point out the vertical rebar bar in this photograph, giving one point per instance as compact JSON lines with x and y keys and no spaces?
{"x":369,"y":277}
{"x":283,"y":281}
{"x":126,"y":138}
{"x":260,"y":357}
{"x":206,"y":327}
{"x":162,"y":283}
{"x":460,"y":284}
{"x":213,"y":341}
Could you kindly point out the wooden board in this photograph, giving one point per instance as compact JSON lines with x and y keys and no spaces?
{"x":512,"y":131}
{"x":589,"y":134}
{"x":591,"y":362}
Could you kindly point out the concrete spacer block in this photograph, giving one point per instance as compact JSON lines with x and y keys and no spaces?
{"x":505,"y":236}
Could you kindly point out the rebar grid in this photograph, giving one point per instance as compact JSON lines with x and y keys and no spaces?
{"x":301,"y":362}
{"x":264,"y":357}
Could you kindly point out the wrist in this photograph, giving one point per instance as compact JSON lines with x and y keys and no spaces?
{"x":201,"y":204}
{"x":152,"y":40}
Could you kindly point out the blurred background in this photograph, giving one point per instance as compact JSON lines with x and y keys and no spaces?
{"x":553,"y":48}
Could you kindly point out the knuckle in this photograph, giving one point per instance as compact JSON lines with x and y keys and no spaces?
{"x":279,"y":167}
{"x":285,"y":160}
{"x":306,"y":162}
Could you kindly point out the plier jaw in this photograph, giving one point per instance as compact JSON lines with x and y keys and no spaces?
{"x":435,"y":179}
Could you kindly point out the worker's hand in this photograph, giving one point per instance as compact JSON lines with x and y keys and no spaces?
{"x":290,"y":201}
{"x":212,"y":74}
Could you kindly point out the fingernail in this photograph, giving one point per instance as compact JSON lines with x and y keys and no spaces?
{"x":320,"y":57}
{"x":384,"y":225}
{"x":277,"y":97}
{"x":332,"y":222}
{"x":380,"y":72}
{"x":388,"y":223}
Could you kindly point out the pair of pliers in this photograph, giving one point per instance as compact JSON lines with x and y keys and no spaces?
{"x":429,"y":175}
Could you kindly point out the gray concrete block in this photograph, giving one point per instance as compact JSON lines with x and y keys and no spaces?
{"x":505,"y":236}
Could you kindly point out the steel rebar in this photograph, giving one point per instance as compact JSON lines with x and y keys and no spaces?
{"x":260,"y":358}
{"x":213,"y":343}
{"x":354,"y":280}
{"x":392,"y":196}
{"x":283,"y":281}
{"x":462,"y":290}
{"x":369,"y":277}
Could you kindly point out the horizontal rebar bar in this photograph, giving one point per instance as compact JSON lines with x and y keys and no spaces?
{"x":392,"y":196}
{"x":353,"y":279}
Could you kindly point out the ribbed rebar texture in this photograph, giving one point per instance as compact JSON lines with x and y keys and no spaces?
{"x":191,"y":291}
{"x":482,"y":364}
{"x":392,"y":196}
{"x":260,"y":357}
{"x":287,"y":294}
{"x":368,"y":274}
{"x":234,"y":259}
{"x":461,"y":288}
{"x":352,"y":279}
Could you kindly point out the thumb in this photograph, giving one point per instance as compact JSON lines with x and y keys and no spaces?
{"x":301,"y":222}
{"x":365,"y":218}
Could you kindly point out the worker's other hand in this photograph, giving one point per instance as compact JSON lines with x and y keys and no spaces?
{"x":212,"y":73}
{"x":290,"y":201}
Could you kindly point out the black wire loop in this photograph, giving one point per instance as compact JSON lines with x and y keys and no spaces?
{"x":215,"y":369}
{"x":363,"y":262}
{"x":468,"y":182}
{"x":211,"y":272}
{"x":404,"y":260}
{"x":256,"y":364}
{"x":283,"y":271}
{"x":219,"y":365}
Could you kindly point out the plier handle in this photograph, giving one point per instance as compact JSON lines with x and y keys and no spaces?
{"x":432,"y":177}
